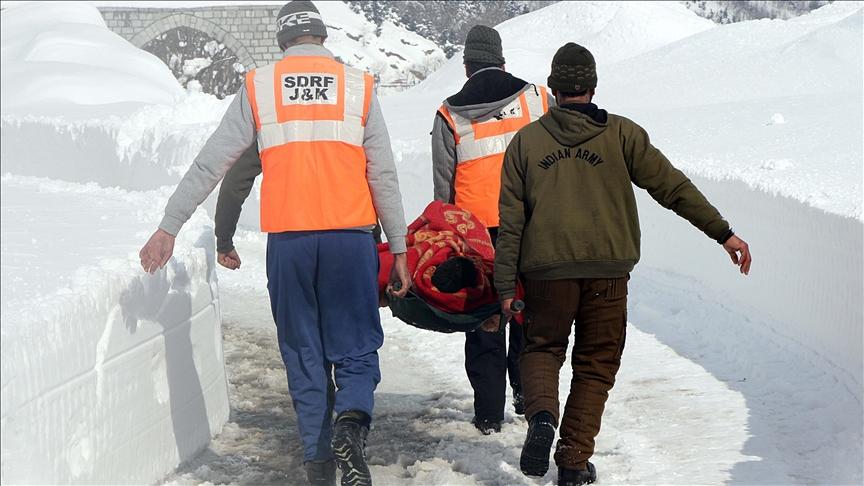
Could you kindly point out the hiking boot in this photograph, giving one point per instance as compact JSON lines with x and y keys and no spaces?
{"x":577,"y":477}
{"x":486,"y":427}
{"x":518,"y":403}
{"x":538,"y":445}
{"x":321,"y":473}
{"x":349,"y":447}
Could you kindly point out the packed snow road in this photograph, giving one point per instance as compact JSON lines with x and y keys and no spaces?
{"x":698,"y":418}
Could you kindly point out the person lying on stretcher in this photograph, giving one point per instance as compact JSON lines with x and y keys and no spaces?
{"x":450,"y":257}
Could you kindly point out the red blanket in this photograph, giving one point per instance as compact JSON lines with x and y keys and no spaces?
{"x":441,"y":232}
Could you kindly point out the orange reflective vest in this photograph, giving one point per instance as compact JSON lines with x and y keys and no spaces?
{"x":311,"y":113}
{"x":480,"y":147}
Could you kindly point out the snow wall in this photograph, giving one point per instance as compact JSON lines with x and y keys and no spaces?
{"x":108,"y":375}
{"x":118,"y":379}
{"x":807,"y":275}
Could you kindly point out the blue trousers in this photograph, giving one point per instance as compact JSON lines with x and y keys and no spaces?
{"x":324,"y":297}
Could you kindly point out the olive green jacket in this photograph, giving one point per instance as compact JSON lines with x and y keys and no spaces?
{"x":567,"y":205}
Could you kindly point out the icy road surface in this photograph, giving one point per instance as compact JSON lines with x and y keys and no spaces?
{"x":704,"y":418}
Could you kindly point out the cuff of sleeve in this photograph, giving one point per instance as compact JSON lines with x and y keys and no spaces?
{"x":397,"y":245}
{"x":506,"y":294}
{"x":725,"y":237}
{"x":170,"y":225}
{"x":223,"y":246}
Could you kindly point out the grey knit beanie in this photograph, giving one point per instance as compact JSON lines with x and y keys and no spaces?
{"x":573,"y":69}
{"x":483,"y":44}
{"x":296,"y":18}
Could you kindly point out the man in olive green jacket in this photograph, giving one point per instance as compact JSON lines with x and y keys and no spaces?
{"x":569,"y":227}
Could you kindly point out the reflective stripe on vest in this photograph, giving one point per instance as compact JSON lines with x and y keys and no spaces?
{"x":310,"y":114}
{"x":480,"y":147}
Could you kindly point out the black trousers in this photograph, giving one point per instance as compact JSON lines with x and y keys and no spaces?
{"x":488,"y":364}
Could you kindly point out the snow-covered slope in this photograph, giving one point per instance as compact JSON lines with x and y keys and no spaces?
{"x":612,"y":30}
{"x":109,"y":375}
{"x":444,"y":21}
{"x":393,"y":53}
{"x":776,"y":104}
{"x":729,"y":11}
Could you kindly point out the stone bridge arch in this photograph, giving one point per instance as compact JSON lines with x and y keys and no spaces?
{"x":246,"y":31}
{"x":212,"y":29}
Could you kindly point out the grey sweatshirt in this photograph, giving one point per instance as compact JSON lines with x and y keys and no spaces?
{"x":236,"y":133}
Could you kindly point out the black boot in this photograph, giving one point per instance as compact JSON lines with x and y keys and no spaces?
{"x":538,"y":445}
{"x":349,"y":447}
{"x":518,"y":403}
{"x":321,"y":473}
{"x":577,"y":477}
{"x":486,"y":427}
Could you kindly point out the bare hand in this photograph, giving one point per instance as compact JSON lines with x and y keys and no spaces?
{"x":157,"y":251}
{"x":230,"y":260}
{"x":739,"y":251}
{"x":507,"y":309}
{"x":399,"y":273}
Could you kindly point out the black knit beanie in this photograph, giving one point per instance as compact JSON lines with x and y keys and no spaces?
{"x":455,"y":274}
{"x":573,"y":69}
{"x":296,"y":18}
{"x":483,"y":45}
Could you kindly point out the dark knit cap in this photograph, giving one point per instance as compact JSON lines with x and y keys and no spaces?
{"x":455,"y":274}
{"x":573,"y":69}
{"x":483,"y":44}
{"x":296,"y":18}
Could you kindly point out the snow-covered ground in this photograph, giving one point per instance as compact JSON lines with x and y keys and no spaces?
{"x":422,"y":434}
{"x":753,"y":380}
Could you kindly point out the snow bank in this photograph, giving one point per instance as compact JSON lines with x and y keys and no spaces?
{"x":720,"y":126}
{"x":707,"y":94}
{"x":806,"y":278}
{"x":109,"y":375}
{"x":717,"y":123}
{"x":59,"y":54}
{"x":142,"y":150}
{"x":115,"y":116}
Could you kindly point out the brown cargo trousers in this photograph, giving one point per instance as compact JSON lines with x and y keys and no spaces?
{"x":598,"y":307}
